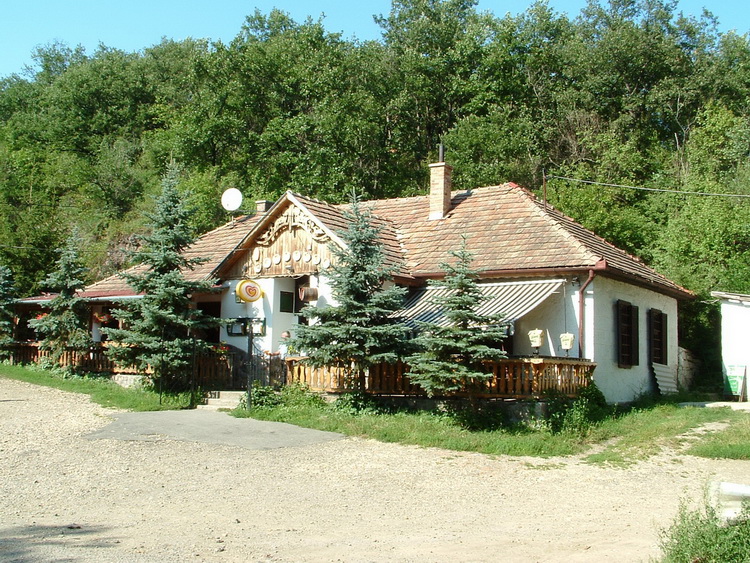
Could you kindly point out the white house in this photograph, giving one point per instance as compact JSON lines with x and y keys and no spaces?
{"x":541,"y":269}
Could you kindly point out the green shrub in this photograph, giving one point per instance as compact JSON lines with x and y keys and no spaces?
{"x":484,"y":417}
{"x":701,"y":536}
{"x":300,"y":396}
{"x":576,"y":416}
{"x":262,"y":396}
{"x":357,"y":402}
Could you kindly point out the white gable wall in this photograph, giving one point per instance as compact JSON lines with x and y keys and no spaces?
{"x":626,"y":384}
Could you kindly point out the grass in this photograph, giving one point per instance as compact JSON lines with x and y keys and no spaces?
{"x":620,"y":439}
{"x":732,"y":442}
{"x":642,"y":433}
{"x":102,"y":391}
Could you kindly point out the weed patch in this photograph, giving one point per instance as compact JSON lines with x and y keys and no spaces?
{"x":701,"y":535}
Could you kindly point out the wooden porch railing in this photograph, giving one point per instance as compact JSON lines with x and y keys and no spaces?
{"x":211,"y":370}
{"x":512,"y":378}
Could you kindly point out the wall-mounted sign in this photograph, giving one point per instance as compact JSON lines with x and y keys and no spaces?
{"x":241,"y":327}
{"x":248,"y":291}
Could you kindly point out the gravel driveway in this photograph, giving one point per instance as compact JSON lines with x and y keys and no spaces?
{"x":72,"y":491}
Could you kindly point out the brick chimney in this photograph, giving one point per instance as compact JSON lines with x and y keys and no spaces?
{"x":440,"y":190}
{"x":263,"y":205}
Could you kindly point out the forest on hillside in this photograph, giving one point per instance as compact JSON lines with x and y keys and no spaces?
{"x":627,"y":94}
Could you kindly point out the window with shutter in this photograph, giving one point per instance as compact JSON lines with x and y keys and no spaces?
{"x":626,"y":315}
{"x":657,"y":328}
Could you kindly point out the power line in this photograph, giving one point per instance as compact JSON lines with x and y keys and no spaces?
{"x":641,"y":188}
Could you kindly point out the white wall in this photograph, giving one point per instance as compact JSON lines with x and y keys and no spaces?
{"x":625,"y":384}
{"x":556,"y":315}
{"x":268,"y":308}
{"x":735,"y":320}
{"x":231,"y":309}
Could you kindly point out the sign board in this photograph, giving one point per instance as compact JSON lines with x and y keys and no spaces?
{"x":248,"y":291}
{"x":734,"y":381}
{"x":241,"y":327}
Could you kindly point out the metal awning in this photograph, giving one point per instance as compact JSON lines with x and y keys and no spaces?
{"x":510,"y":300}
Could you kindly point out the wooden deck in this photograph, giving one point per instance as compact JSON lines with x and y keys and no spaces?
{"x":517,"y":378}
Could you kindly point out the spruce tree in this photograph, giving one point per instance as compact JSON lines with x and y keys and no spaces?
{"x":357,"y":331}
{"x":66,"y":325}
{"x":7,"y":313}
{"x":451,"y":354}
{"x":156,"y":330}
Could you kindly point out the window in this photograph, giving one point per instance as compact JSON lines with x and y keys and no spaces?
{"x":627,"y":334}
{"x":657,"y":336}
{"x":286,"y":302}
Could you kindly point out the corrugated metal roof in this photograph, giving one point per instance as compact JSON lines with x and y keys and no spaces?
{"x":510,"y":300}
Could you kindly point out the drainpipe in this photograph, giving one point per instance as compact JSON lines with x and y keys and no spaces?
{"x":581,"y":311}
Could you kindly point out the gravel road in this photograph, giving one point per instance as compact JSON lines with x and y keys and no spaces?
{"x":72,"y":493}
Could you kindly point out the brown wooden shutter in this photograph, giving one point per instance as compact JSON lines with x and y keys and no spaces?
{"x":627,"y":334}
{"x":657,"y":322}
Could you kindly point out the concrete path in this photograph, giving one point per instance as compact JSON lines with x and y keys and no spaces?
{"x":211,"y":428}
{"x":734,"y":405}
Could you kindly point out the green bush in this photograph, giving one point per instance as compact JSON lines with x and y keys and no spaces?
{"x":484,"y":417}
{"x":262,"y":396}
{"x":357,"y":402}
{"x":576,"y":416}
{"x":300,"y":396}
{"x":701,"y":536}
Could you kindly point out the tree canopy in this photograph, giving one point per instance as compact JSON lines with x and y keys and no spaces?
{"x":625,"y":93}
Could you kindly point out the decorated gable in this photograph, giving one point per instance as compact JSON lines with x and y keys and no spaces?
{"x":290,"y":244}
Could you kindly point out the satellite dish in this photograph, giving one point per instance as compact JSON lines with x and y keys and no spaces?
{"x":231,"y":199}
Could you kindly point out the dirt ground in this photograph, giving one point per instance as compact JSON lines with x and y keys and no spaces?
{"x":67,"y":496}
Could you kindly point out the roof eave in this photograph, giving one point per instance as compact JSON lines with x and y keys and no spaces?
{"x":601,"y":268}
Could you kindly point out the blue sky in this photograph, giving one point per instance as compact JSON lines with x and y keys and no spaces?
{"x":136,"y":24}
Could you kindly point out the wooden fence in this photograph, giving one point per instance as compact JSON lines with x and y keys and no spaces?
{"x":211,"y":370}
{"x":512,"y":378}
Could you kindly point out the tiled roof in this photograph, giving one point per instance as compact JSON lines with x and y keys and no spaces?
{"x":214,"y":247}
{"x":334,"y":217}
{"x":508,"y":230}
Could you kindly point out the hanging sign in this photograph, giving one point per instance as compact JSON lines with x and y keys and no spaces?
{"x":248,"y":291}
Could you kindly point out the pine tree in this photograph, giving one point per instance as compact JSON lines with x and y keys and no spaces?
{"x":157,"y":329}
{"x":451,"y":355}
{"x":66,"y":325}
{"x":7,"y":314}
{"x":357,"y":331}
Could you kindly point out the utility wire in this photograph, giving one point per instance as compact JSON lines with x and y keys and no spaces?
{"x":644,"y":189}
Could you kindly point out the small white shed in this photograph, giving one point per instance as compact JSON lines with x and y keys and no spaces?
{"x":735,"y":342}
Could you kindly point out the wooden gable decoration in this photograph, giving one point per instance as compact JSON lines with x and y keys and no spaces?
{"x":292,"y":244}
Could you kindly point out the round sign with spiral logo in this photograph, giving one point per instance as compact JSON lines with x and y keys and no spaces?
{"x":249,"y":291}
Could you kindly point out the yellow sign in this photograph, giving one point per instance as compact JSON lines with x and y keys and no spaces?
{"x":248,"y":291}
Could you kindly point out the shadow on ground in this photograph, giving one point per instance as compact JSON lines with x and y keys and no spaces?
{"x":45,"y":543}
